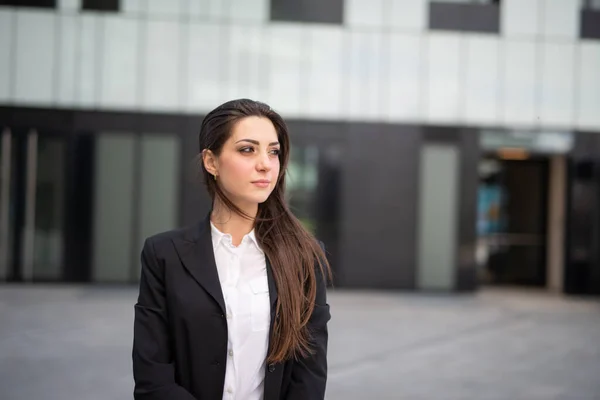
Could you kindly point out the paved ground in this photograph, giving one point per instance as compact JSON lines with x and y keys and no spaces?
{"x":61,"y":343}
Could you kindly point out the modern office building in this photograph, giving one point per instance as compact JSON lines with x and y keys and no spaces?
{"x":438,"y":145}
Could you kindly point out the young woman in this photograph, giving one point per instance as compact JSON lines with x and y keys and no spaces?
{"x":235,"y":307}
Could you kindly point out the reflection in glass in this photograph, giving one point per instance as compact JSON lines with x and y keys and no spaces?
{"x":113,"y":207}
{"x":302,"y":181}
{"x":313,"y":190}
{"x":49,"y":208}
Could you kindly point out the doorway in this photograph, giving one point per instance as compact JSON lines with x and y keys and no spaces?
{"x":33,"y":188}
{"x":38,"y":175}
{"x":512,"y":220}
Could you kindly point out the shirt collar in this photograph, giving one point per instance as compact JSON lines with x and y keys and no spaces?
{"x":218,"y":237}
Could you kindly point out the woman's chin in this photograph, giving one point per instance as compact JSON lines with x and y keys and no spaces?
{"x":252,"y":200}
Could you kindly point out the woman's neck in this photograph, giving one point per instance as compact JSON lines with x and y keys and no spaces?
{"x":228,"y":221}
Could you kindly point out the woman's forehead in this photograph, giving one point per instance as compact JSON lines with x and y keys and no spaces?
{"x":254,"y":128}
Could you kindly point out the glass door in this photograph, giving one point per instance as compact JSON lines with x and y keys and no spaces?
{"x":512,"y":222}
{"x":32,"y":203}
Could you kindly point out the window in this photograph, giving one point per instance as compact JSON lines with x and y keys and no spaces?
{"x":589,"y":27}
{"x":29,"y":3}
{"x":465,"y":15}
{"x":330,"y":11}
{"x":100,"y":5}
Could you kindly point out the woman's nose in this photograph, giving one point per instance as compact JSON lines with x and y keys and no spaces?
{"x":263,"y":163}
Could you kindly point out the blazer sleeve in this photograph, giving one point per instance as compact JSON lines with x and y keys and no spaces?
{"x":153,"y":369}
{"x":309,"y":374}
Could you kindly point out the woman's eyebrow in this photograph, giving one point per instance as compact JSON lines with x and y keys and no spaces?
{"x":256,"y":142}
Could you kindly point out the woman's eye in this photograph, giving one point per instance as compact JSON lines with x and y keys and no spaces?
{"x":275,"y":152}
{"x":246,"y":150}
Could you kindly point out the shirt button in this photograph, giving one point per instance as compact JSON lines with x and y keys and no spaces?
{"x":228,"y":316}
{"x":229,"y":390}
{"x":231,"y":353}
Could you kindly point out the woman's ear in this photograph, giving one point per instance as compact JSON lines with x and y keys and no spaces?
{"x":210,"y":162}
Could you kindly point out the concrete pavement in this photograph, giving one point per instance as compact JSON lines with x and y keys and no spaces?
{"x":74,"y":342}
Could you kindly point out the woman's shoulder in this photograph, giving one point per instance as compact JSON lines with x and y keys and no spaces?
{"x":161,"y":238}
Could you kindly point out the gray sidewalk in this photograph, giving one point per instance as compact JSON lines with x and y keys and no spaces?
{"x":69,"y":342}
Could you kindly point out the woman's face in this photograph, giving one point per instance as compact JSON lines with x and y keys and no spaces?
{"x":248,"y":166}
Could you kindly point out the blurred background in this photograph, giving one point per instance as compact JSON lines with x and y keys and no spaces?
{"x":446,"y":152}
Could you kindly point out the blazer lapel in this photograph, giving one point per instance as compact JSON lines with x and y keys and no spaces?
{"x":195,"y":250}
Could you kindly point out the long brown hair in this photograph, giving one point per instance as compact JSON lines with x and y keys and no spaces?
{"x":292,"y":251}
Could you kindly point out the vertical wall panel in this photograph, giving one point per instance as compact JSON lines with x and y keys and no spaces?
{"x":250,"y":11}
{"x":171,"y":9}
{"x":7,"y":23}
{"x":35,"y":57}
{"x":466,"y":276}
{"x":557,"y":84}
{"x":378,"y":216}
{"x":364,"y":52}
{"x":287,"y":44}
{"x":113,"y":208}
{"x":69,"y":5}
{"x":204,"y":67}
{"x":520,"y":18}
{"x":438,"y":188}
{"x":161,"y":66}
{"x":560,"y":19}
{"x":217,"y":10}
{"x":519,"y":77}
{"x":120,"y":64}
{"x":588,"y":86}
{"x":481,"y":80}
{"x":325,"y":79}
{"x":406,"y":15}
{"x":360,"y":13}
{"x":88,"y":57}
{"x":443,"y":96}
{"x":159,"y":187}
{"x":405,"y":82}
{"x":68,"y":62}
{"x":198,"y":9}
{"x":245,"y":64}
{"x":135,"y":7}
{"x":555,"y":242}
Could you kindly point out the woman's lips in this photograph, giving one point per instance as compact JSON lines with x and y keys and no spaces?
{"x":262,"y":183}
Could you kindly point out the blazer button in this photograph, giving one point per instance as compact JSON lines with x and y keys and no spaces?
{"x":271,"y":367}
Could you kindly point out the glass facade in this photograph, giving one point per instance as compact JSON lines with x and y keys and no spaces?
{"x":136,"y":196}
{"x":77,"y":207}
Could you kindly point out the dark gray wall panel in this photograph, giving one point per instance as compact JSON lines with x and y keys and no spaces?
{"x":329,"y":11}
{"x":589,"y":28}
{"x":482,"y":18}
{"x":466,"y":268}
{"x":464,"y":17}
{"x":582,"y":267}
{"x":330,"y":138}
{"x":379,"y":206}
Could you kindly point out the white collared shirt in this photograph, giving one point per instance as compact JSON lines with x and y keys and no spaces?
{"x":243,"y":276}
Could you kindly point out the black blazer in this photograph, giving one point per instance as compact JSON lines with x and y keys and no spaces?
{"x":180,"y":331}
